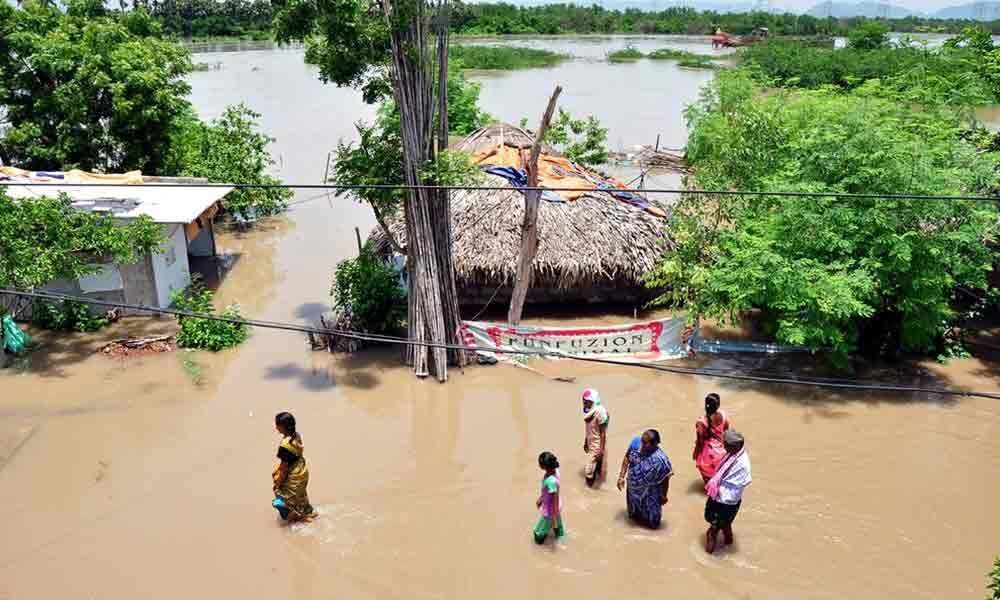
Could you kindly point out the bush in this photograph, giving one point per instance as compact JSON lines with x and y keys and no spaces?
{"x":203,"y":333}
{"x":628,"y":53}
{"x":870,"y":35}
{"x":697,"y":62}
{"x":835,"y":274}
{"x":674,"y":54}
{"x":66,"y":316}
{"x":366,"y":289}
{"x":503,"y":58}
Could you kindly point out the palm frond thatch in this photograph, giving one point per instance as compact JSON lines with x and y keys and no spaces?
{"x":589,"y":248}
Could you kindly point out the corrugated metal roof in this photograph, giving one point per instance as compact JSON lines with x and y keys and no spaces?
{"x":163,"y":204}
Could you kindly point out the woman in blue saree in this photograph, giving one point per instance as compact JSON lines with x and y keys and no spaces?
{"x":648,"y":470}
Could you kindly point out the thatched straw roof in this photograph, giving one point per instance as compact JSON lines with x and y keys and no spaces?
{"x":595,"y":247}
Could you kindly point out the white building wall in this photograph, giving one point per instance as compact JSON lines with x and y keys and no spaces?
{"x":170,"y":265}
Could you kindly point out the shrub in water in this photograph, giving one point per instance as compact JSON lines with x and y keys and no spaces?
{"x":204,"y":333}
{"x":367,"y":290}
{"x":66,"y":316}
{"x":625,"y":54}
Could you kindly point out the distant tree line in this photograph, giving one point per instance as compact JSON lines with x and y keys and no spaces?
{"x":252,"y":19}
{"x":211,"y":18}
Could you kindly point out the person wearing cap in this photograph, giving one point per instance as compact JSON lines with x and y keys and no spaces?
{"x":725,"y":490}
{"x":595,"y":420}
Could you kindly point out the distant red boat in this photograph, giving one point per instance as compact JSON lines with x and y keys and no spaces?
{"x":721,"y":39}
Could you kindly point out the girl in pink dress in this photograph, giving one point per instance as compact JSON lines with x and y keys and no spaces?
{"x":709,"y":450}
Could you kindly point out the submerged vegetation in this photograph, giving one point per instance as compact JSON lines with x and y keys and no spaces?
{"x":626,"y":54}
{"x":366,"y":292}
{"x":503,"y":58}
{"x":205,"y":334}
{"x":697,"y":62}
{"x":684,"y":58}
{"x":675,"y":54}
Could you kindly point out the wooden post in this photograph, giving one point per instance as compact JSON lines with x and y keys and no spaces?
{"x":529,"y":227}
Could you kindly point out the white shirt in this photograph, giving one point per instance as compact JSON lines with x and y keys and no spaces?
{"x":736,"y":479}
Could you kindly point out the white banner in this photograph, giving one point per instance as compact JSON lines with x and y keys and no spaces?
{"x":633,"y":342}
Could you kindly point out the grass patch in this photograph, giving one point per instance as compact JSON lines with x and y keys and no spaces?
{"x":674,"y":54}
{"x":697,"y":62}
{"x":504,"y":58}
{"x":626,"y":54}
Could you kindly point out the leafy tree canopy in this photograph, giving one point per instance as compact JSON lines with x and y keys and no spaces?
{"x":870,"y":35}
{"x":87,"y":90}
{"x":45,"y":239}
{"x":832,"y":274}
{"x":229,"y":149}
{"x":105,"y":91}
{"x":349,"y":41}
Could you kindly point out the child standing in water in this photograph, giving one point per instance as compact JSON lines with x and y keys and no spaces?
{"x":549,"y":502}
{"x":291,"y":476}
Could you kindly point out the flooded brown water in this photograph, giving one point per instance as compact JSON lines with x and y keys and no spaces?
{"x":149,"y":478}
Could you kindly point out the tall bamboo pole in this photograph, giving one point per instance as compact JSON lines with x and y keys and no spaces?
{"x":433,"y":303}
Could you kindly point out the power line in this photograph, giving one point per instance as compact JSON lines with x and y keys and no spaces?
{"x":488,"y":188}
{"x":844,"y":384}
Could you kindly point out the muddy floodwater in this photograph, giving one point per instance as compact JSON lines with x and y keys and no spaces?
{"x":150,"y":477}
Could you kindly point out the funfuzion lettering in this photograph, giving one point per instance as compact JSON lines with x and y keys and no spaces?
{"x":652,"y":340}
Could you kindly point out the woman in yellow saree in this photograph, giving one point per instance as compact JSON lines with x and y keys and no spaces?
{"x":291,"y":476}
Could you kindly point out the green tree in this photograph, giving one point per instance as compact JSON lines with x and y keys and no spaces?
{"x":104,"y":91}
{"x":86,"y":89}
{"x":832,"y":274}
{"x":582,"y":140}
{"x":44,"y":239}
{"x":870,"y":35}
{"x":229,"y":149}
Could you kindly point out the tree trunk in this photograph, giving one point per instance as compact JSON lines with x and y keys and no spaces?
{"x":529,"y":227}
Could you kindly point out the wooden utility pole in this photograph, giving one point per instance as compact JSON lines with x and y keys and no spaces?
{"x":529,"y":227}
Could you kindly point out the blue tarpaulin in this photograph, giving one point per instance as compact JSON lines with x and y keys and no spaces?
{"x":519,"y":179}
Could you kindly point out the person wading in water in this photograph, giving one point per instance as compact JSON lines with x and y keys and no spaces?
{"x":725,"y":491}
{"x":549,"y":503}
{"x":595,"y":440}
{"x":709,"y":450}
{"x":648,"y":470}
{"x":291,"y":477}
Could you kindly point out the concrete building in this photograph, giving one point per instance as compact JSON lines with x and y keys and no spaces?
{"x":185,"y":214}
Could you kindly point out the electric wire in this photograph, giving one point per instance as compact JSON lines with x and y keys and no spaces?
{"x":843,"y":384}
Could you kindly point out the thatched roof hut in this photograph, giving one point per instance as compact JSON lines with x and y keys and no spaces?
{"x":595,"y":248}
